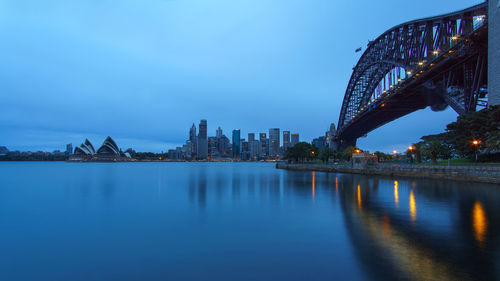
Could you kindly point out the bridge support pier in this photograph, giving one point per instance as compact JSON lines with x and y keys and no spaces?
{"x":494,"y":52}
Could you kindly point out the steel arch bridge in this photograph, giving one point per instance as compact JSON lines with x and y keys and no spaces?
{"x":436,"y":62}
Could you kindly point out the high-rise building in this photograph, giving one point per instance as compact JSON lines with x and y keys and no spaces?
{"x":218,"y":133}
{"x":202,"y":150}
{"x":319,"y":142}
{"x":245,"y":152}
{"x":274,"y":142}
{"x":286,"y":140}
{"x":212,"y":147}
{"x":263,"y":145}
{"x":236,"y":143}
{"x":330,"y":136}
{"x":69,"y":149}
{"x":194,"y":141}
{"x":223,"y":146}
{"x":251,"y":137}
{"x":295,"y":139}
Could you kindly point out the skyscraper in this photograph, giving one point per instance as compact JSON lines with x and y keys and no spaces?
{"x":218,"y":133}
{"x":274,"y":142}
{"x":69,"y":149}
{"x":331,"y":136}
{"x":202,"y":151}
{"x":251,"y":137}
{"x":295,"y":139}
{"x":236,"y":143}
{"x":286,"y":140}
{"x":194,"y":141}
{"x":263,"y":145}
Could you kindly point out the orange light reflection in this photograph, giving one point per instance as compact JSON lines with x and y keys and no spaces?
{"x":479,"y":222}
{"x":313,"y":183}
{"x":413,"y":206}
{"x":396,"y":193}
{"x":359,"y":196}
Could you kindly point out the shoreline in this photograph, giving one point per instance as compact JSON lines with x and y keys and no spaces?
{"x":463,"y":173}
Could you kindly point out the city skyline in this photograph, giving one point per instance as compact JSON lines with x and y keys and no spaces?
{"x":149,"y":71}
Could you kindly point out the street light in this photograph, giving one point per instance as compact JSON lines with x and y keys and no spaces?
{"x":410,"y":148}
{"x":475,"y":143}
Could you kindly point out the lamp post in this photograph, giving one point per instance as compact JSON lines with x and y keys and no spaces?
{"x":475,"y":143}
{"x":410,"y":148}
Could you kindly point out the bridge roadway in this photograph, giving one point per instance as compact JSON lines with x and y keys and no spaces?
{"x":437,"y":62}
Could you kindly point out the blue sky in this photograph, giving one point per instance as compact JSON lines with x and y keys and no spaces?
{"x":144,"y":71}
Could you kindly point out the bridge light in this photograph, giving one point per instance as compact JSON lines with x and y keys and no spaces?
{"x":454,"y":37}
{"x":408,"y":72}
{"x":421,"y":63}
{"x":399,"y":79}
{"x":435,"y":52}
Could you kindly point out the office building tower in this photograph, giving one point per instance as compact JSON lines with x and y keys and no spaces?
{"x":251,"y":137}
{"x":218,"y":133}
{"x":286,"y":140}
{"x":202,"y":149}
{"x":212,"y":147}
{"x":69,"y":149}
{"x":194,"y":141}
{"x":245,"y":154}
{"x":295,"y":139}
{"x":319,"y":142}
{"x":274,"y":142}
{"x":223,"y":146}
{"x":236,"y":144}
{"x":263,"y":145}
{"x":331,"y":136}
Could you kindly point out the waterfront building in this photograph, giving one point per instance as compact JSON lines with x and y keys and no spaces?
{"x":274,"y":142}
{"x":69,"y":149}
{"x":108,"y":147}
{"x":108,"y":151}
{"x":223,"y":146}
{"x":286,"y":140}
{"x":236,"y":143}
{"x":86,"y":148}
{"x":295,"y":139}
{"x":245,"y":153}
{"x":202,"y":147}
{"x":263,"y":145}
{"x":193,"y":140}
{"x":212,"y":147}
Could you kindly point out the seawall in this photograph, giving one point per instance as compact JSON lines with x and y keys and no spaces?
{"x":472,"y":174}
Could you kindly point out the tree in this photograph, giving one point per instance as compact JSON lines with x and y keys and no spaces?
{"x":325,"y":154}
{"x":436,"y":146}
{"x":482,"y":126}
{"x":301,"y":152}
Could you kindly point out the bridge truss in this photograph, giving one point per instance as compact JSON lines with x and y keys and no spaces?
{"x":437,"y":61}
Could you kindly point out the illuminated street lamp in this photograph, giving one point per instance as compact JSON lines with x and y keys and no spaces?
{"x":357,"y":151}
{"x":475,"y":143}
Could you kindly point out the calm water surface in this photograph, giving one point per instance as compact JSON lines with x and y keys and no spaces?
{"x":240,"y":221}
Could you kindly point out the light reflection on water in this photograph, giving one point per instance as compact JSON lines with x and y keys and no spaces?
{"x":241,"y":221}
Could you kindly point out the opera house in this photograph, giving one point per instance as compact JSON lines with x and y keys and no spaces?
{"x":108,"y":151}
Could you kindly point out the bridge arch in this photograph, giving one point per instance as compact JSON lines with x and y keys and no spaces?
{"x":417,"y":62}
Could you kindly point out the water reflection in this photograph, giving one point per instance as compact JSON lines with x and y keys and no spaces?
{"x":313,"y":184}
{"x":413,"y":206}
{"x":479,"y":222}
{"x":434,"y":247}
{"x":396,"y":194}
{"x":247,"y":217}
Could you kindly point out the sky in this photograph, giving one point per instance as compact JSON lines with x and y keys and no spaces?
{"x":144,"y":71}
